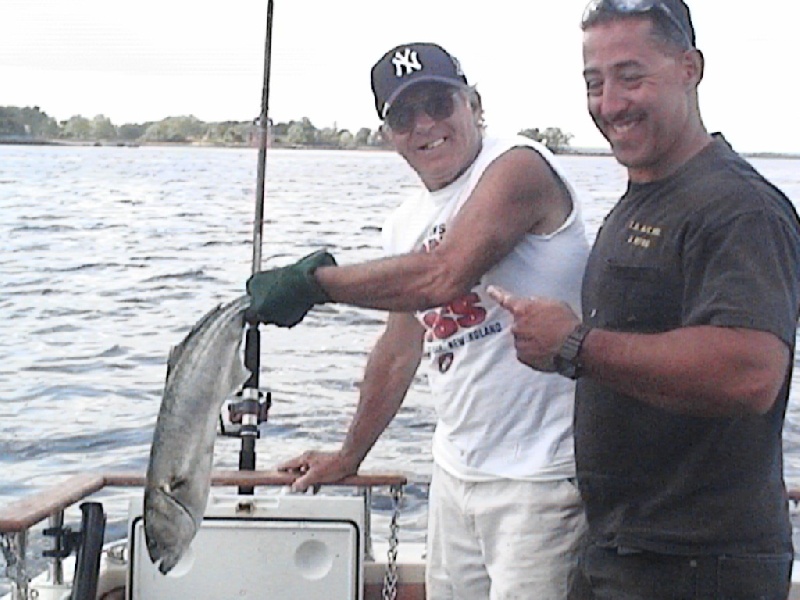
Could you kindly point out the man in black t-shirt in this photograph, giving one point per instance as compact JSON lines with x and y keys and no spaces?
{"x":684,"y":354}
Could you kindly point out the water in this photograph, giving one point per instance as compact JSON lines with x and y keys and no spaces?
{"x":109,"y":255}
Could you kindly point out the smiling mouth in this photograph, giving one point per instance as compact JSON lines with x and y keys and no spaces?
{"x":432,"y":145}
{"x":621,"y":129}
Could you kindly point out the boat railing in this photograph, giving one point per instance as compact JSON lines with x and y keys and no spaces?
{"x":18,"y":517}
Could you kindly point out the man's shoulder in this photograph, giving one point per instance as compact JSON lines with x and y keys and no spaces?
{"x":724,"y":175}
{"x":526,"y":152}
{"x":503,"y":144}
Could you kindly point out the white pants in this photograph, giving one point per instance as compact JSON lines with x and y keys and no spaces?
{"x":502,"y":540}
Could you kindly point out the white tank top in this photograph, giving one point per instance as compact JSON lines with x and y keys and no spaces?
{"x":497,"y":418}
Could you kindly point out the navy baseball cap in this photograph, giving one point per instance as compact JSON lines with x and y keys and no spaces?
{"x":408,"y":64}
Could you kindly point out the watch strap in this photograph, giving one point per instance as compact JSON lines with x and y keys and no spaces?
{"x":566,"y":360}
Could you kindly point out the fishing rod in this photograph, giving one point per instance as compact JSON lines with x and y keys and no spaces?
{"x":253,"y":410}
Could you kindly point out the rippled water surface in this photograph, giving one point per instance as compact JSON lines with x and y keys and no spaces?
{"x":109,"y":255}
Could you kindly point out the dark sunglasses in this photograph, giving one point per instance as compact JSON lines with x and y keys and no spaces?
{"x":627,"y":7}
{"x":438,"y":105}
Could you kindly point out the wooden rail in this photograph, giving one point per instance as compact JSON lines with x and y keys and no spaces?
{"x":26,"y":512}
{"x":30,"y":510}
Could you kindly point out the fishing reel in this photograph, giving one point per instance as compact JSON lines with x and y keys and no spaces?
{"x":244,"y":413}
{"x":241,"y":417}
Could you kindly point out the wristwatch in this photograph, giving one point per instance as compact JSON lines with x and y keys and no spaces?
{"x":566,"y":361}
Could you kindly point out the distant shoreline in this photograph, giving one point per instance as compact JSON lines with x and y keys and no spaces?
{"x":133,"y":144}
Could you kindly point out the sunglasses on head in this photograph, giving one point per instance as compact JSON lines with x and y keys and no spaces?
{"x":629,"y":7}
{"x":438,"y":104}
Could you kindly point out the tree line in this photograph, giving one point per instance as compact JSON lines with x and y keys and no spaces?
{"x":33,"y":124}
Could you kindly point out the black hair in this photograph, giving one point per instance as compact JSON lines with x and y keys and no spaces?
{"x":664,"y":29}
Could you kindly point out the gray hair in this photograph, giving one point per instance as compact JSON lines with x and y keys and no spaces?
{"x":472,"y":96}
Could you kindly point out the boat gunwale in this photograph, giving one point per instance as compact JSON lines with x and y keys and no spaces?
{"x":20,"y":515}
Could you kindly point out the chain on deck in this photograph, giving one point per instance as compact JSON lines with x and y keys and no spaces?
{"x":390,"y":577}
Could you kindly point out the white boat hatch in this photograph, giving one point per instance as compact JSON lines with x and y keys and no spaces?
{"x":259,"y":547}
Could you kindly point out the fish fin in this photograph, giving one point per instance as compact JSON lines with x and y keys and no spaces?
{"x":174,"y":355}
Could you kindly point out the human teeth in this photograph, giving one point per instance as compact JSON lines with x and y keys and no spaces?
{"x":433,"y":144}
{"x":623,"y":128}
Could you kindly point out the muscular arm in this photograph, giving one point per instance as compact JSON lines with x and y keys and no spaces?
{"x":518,"y":194}
{"x":387,"y":377}
{"x":705,"y":371}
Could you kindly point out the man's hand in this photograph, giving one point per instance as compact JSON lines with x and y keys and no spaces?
{"x":314,"y":468}
{"x":540,"y":327}
{"x":283,"y":296}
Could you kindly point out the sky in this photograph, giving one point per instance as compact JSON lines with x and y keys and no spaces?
{"x":149,"y":59}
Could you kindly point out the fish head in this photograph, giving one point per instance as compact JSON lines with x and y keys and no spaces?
{"x":168,"y":528}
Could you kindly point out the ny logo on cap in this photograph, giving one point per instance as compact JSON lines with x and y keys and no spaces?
{"x":408,"y":60}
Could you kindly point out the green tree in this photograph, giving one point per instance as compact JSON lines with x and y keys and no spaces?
{"x":27,"y":122}
{"x":328,"y":137}
{"x":246,"y":132}
{"x":377,"y":139}
{"x":362,"y":137}
{"x":103,"y":128}
{"x":556,"y":140}
{"x":131,"y":131}
{"x":230,"y":132}
{"x":280,"y":129}
{"x":77,"y":128}
{"x":295,"y":134}
{"x":346,"y":140}
{"x":38,"y":123}
{"x":175,"y":129}
{"x":552,"y":137}
{"x":533,"y":134}
{"x":302,"y":133}
{"x":10,"y":123}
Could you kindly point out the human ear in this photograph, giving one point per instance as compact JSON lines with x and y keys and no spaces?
{"x":694,"y":66}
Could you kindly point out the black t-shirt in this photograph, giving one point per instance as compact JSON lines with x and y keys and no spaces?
{"x":713,"y":244}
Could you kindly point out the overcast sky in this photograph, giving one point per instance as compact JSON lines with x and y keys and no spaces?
{"x":149,"y":59}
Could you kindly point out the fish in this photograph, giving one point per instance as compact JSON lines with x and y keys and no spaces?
{"x":202,"y":371}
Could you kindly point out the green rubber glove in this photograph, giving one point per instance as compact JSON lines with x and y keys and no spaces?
{"x":283,"y":296}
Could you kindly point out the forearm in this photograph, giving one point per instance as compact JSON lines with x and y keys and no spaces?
{"x":376,"y":409}
{"x":706,"y":371}
{"x":387,"y":377}
{"x":403,"y":283}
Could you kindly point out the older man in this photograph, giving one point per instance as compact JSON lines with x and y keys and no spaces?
{"x":505,"y":519}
